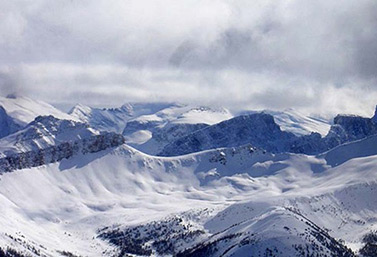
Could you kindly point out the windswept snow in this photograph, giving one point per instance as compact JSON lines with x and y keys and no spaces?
{"x":357,"y":149}
{"x":23,"y":110}
{"x":76,"y":197}
{"x":299,"y":124}
{"x":247,"y":200}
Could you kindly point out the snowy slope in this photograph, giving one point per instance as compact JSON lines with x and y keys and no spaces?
{"x":357,"y":149}
{"x":150,"y":126}
{"x":23,"y":110}
{"x":97,"y":196}
{"x":178,"y":114}
{"x":48,"y":140}
{"x":151,"y":133}
{"x":43,"y":132}
{"x":113,"y":119}
{"x":111,"y":191}
{"x":293,"y":121}
{"x":299,"y":124}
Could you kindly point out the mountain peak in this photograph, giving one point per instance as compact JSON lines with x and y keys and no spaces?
{"x":24,"y":110}
{"x":80,"y":108}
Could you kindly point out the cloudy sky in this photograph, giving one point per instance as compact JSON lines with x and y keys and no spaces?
{"x":314,"y":55}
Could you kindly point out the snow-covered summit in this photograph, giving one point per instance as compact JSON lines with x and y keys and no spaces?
{"x":258,"y":129}
{"x":114,"y":119}
{"x":261,"y":130}
{"x":43,"y":132}
{"x":299,"y":124}
{"x":23,"y":110}
{"x":151,"y":132}
{"x":245,"y":200}
{"x":239,"y":189}
{"x":48,"y":139}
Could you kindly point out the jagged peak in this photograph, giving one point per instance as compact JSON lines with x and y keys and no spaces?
{"x":127,"y":107}
{"x":51,"y":122}
{"x":80,"y":108}
{"x":341,"y":118}
{"x":50,"y":118}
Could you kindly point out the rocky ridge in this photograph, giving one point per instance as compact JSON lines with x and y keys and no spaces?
{"x":48,"y":140}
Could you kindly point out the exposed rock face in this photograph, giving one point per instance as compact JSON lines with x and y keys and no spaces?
{"x":260,"y":130}
{"x":354,"y":127}
{"x":48,"y":139}
{"x":62,"y":151}
{"x":43,"y":132}
{"x":309,"y":144}
{"x":7,"y":125}
{"x":136,"y":125}
{"x":346,"y":128}
{"x":175,"y":131}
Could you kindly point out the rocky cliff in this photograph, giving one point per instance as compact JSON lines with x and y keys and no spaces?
{"x":48,"y":139}
{"x":260,"y":130}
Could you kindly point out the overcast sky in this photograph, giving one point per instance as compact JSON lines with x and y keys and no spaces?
{"x":317,"y":56}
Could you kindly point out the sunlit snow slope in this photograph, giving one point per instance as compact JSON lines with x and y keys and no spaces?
{"x":24,"y":110}
{"x":65,"y":206}
{"x":70,"y":188}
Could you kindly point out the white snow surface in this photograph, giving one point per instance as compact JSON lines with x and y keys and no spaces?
{"x":112,"y":119}
{"x":44,"y":132}
{"x":187,"y":114}
{"x":61,"y":206}
{"x":241,"y":200}
{"x":300,"y":124}
{"x":176,"y":115}
{"x":23,"y":110}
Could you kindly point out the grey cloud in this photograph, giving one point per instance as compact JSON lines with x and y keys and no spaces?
{"x":7,"y":84}
{"x":246,"y":53}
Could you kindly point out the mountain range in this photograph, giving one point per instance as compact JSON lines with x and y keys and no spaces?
{"x":169,"y":179}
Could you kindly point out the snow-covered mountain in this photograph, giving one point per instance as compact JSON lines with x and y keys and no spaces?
{"x":125,"y":202}
{"x":24,"y":110}
{"x":48,"y":139}
{"x":150,"y":127}
{"x":16,"y":112}
{"x":151,"y":133}
{"x":114,"y":119}
{"x":291,"y":120}
{"x":261,"y":130}
{"x":72,"y":186}
{"x":258,"y":129}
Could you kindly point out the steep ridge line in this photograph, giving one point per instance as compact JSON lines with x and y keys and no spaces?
{"x":260,"y":130}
